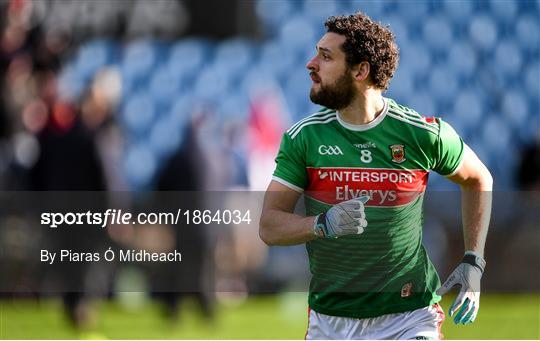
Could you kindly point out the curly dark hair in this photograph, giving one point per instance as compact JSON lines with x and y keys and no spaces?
{"x":367,"y":40}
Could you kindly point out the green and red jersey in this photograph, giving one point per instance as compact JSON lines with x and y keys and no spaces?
{"x":385,"y":269}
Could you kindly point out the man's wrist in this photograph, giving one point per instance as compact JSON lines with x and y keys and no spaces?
{"x":319,"y":227}
{"x":474,"y":259}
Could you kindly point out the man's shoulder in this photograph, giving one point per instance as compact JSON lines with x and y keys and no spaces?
{"x":322,"y":117}
{"x":419,"y":124}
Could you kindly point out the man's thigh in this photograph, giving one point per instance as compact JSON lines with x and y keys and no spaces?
{"x":420,"y":324}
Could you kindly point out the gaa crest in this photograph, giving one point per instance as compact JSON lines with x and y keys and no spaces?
{"x":398,"y":153}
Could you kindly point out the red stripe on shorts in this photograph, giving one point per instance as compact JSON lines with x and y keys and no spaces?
{"x":442,"y":316}
{"x":307,"y":329}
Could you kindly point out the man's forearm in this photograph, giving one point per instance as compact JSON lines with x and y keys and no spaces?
{"x":283,"y":228}
{"x":476,"y":212}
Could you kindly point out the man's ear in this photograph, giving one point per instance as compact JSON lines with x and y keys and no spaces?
{"x":360,"y":71}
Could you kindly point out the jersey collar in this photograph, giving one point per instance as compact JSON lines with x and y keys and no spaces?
{"x":363,"y":127}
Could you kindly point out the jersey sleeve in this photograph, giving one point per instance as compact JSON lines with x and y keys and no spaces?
{"x":291,"y":164}
{"x":449,"y":150}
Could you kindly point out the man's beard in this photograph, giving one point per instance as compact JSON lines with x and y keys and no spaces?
{"x":336,"y":96}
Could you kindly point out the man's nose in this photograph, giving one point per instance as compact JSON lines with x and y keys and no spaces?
{"x":312,"y":65}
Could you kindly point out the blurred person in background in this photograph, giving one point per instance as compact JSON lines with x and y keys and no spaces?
{"x":98,"y":114}
{"x":69,"y":161}
{"x":29,"y":56}
{"x":185,"y":173}
{"x":363,"y":163}
{"x":68,"y":158}
{"x":528,"y":173}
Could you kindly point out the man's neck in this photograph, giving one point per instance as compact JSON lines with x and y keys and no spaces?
{"x":364,"y":108}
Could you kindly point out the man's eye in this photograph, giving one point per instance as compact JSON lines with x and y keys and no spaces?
{"x":326,"y":57}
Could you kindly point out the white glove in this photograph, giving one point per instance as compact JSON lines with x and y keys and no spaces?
{"x":342,"y":219}
{"x":467,"y":275}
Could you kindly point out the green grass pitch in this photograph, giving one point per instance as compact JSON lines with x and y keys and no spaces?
{"x":502,"y":316}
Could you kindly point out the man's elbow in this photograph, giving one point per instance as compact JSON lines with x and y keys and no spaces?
{"x":264,"y":232}
{"x":483,"y":181}
{"x":265,"y":237}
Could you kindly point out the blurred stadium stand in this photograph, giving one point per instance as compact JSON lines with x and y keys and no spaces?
{"x":473,"y":63}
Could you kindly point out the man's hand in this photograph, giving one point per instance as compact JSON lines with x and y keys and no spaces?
{"x":345,"y":218}
{"x":467,"y":275}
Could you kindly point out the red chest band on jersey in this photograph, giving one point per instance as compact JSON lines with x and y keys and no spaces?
{"x":386,"y":187}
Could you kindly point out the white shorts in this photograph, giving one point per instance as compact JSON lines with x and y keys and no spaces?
{"x":420,"y":324}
